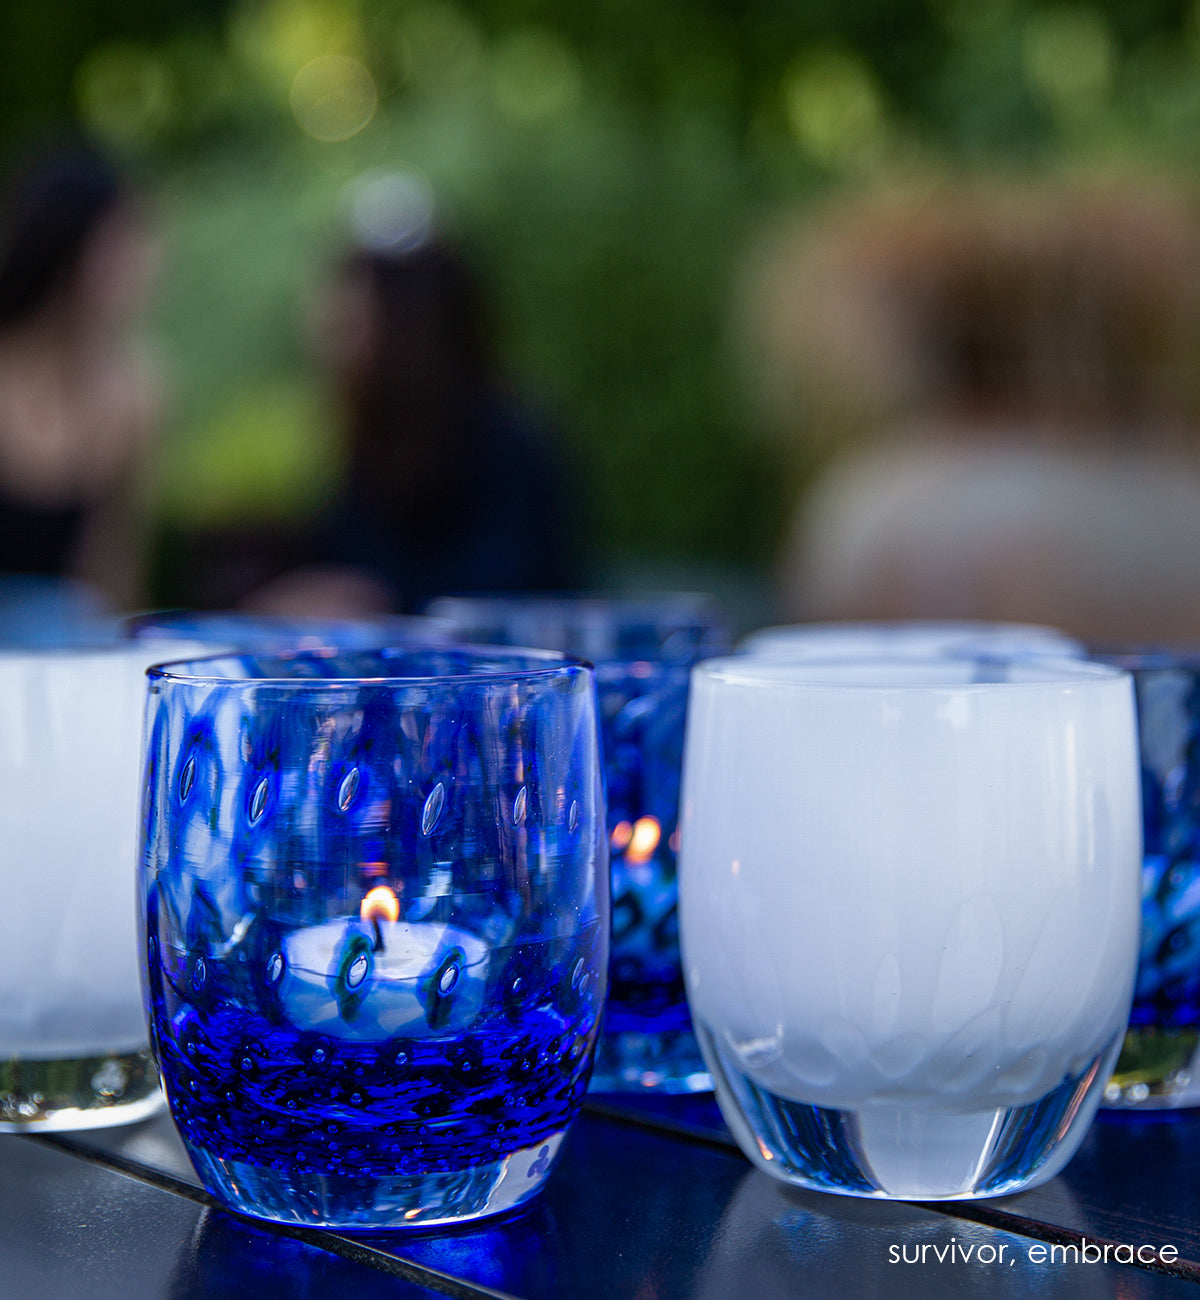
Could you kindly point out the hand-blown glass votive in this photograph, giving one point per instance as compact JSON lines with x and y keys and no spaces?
{"x":375,"y":900}
{"x":911,"y":637}
{"x":73,"y":1050}
{"x":1159,"y":1067}
{"x":236,"y":631}
{"x":643,"y":648}
{"x":909,"y":910}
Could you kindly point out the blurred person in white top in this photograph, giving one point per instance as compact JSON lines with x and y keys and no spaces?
{"x":1004,"y":381}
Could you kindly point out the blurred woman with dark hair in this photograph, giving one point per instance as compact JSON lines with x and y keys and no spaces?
{"x":78,"y":395}
{"x":450,"y":486}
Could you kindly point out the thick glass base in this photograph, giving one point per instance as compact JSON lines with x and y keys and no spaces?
{"x":1158,"y":1069}
{"x":668,"y":1062}
{"x":297,"y":1195}
{"x":906,"y":1151}
{"x":78,"y":1093}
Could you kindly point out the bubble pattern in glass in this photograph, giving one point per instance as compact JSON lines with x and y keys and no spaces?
{"x":376,"y":917}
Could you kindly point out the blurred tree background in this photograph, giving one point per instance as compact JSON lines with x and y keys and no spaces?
{"x":606,"y":161}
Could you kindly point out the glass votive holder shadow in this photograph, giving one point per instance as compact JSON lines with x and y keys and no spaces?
{"x":374,"y":899}
{"x":73,"y":1049}
{"x":1159,"y":1065}
{"x":909,"y":913}
{"x":643,"y":648}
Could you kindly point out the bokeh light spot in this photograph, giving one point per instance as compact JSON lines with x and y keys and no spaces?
{"x":333,"y":97}
{"x":1068,"y":58}
{"x":621,"y":834}
{"x":834,"y":107}
{"x":535,"y":76}
{"x":390,"y":211}
{"x":441,"y":46}
{"x":124,"y":92}
{"x":282,"y":35}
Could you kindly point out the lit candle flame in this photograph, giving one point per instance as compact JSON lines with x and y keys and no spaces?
{"x":380,"y":904}
{"x":622,"y":833}
{"x":643,"y":841}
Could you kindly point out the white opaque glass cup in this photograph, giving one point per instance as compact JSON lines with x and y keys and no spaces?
{"x":73,"y":1050}
{"x":912,"y":637}
{"x":909,"y":900}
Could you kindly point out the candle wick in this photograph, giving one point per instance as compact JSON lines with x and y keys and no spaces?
{"x":378,"y":935}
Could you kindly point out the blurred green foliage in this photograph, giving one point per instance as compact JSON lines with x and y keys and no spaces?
{"x":605,"y":160}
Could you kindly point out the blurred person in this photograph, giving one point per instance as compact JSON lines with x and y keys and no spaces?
{"x":450,"y":486}
{"x":79,"y":396}
{"x":1005,"y":376}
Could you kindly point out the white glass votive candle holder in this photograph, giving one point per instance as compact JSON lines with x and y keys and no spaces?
{"x":911,"y":638}
{"x":909,"y":898}
{"x":73,"y":1049}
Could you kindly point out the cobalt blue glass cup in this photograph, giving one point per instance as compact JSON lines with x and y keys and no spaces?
{"x":236,"y":630}
{"x":643,"y":648}
{"x":1159,"y":1066}
{"x":375,"y":913}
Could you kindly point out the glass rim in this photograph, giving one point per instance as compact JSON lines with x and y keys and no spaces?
{"x":529,"y":665}
{"x":1146,"y":658}
{"x":695,"y":605}
{"x":146,"y":648}
{"x":934,"y":674}
{"x":780,"y":633}
{"x":172,"y":624}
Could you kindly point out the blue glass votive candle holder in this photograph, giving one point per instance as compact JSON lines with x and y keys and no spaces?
{"x":1159,"y":1066}
{"x":375,"y":911}
{"x":643,"y":648}
{"x":236,"y":630}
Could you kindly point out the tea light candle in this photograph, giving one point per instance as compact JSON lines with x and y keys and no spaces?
{"x":376,"y":976}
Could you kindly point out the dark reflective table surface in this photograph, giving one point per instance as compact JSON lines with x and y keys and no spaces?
{"x":651,"y":1201}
